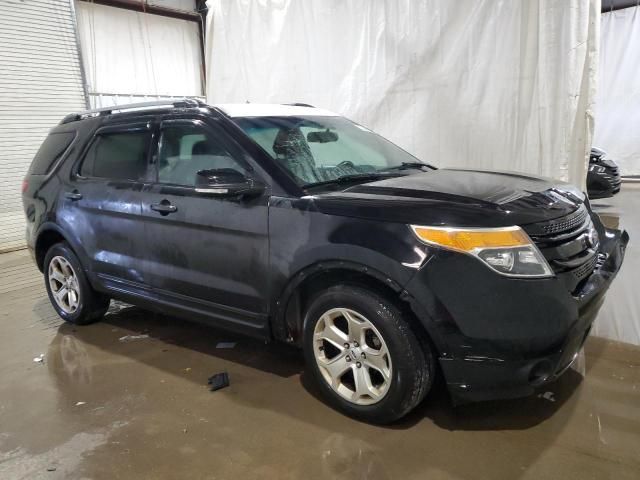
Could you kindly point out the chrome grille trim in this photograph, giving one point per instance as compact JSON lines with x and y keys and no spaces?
{"x":562,"y":242}
{"x":586,"y":268}
{"x":562,"y":227}
{"x":567,"y":223}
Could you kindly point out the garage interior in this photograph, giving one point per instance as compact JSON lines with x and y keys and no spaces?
{"x":127,"y":397}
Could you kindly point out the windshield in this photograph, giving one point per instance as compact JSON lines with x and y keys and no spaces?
{"x":317,"y":149}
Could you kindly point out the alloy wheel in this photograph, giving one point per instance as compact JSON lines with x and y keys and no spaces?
{"x":352,"y":356}
{"x":64,"y":285}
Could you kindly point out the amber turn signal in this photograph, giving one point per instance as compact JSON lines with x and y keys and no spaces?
{"x":467,"y":240}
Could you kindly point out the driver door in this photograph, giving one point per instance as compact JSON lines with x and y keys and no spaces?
{"x":205,"y":253}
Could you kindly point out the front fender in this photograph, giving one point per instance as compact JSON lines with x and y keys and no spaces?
{"x":305,"y":242}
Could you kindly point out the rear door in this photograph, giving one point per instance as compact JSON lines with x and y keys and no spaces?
{"x":209,"y":253}
{"x":102,"y":202}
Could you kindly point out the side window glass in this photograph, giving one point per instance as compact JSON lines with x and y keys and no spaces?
{"x":184,"y":150}
{"x":118,"y":155}
{"x":51,"y":150}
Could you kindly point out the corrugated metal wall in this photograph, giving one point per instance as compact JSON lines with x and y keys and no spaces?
{"x":40,"y":82}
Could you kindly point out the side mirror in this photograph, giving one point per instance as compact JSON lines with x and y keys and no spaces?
{"x":226,"y":182}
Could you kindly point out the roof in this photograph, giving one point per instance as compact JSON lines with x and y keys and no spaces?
{"x":230,"y":109}
{"x":272,"y":110}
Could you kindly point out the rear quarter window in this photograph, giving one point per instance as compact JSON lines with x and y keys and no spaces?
{"x":117,"y":155}
{"x":50,"y":151}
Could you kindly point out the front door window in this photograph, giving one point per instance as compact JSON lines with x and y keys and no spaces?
{"x":184,"y":150}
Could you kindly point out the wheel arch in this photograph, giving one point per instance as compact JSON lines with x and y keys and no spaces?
{"x":50,"y":234}
{"x":302,"y":288}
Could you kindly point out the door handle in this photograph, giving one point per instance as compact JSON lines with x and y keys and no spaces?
{"x":74,"y":195}
{"x":164,"y":207}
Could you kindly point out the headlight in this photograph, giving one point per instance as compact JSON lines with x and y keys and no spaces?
{"x":507,"y":250}
{"x":596,"y":168}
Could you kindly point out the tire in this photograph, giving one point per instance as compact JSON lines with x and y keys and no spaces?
{"x":399,"y":367}
{"x":64,"y":278}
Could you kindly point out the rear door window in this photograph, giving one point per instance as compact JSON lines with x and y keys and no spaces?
{"x":50,"y":151}
{"x":117,"y":155}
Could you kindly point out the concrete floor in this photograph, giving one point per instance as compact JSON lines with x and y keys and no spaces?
{"x":99,"y":407}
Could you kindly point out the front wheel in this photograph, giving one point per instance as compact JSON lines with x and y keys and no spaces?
{"x":364,"y":355}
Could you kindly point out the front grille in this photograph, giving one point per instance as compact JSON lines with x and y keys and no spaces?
{"x":613,"y":181}
{"x":586,"y":268}
{"x":560,"y":225}
{"x":567,"y":244}
{"x":602,"y":257}
{"x":612,"y":175}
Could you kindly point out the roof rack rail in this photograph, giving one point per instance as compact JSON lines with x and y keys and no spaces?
{"x":300,"y":105}
{"x":96,"y":112}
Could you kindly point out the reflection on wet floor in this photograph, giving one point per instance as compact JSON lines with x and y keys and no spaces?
{"x":102,"y":407}
{"x":619,"y":317}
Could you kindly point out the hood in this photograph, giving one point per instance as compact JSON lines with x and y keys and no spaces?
{"x":597,"y":152}
{"x":448,"y":197}
{"x":604,"y":161}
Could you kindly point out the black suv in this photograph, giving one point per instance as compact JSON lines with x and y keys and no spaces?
{"x":291,"y":223}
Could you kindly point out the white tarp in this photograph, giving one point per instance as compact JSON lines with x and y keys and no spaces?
{"x":617,"y":129}
{"x":490,"y":84}
{"x":129,"y":56}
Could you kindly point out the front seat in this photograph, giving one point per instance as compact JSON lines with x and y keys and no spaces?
{"x":293,"y":152}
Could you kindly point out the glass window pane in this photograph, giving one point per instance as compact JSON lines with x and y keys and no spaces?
{"x":51,"y":149}
{"x":121,"y":155}
{"x":318,"y":149}
{"x":185,"y":150}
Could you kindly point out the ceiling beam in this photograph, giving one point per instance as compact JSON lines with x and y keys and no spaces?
{"x":143,"y":6}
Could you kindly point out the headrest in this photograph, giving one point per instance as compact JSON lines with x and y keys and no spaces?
{"x":200,"y":148}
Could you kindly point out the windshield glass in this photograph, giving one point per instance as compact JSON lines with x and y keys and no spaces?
{"x":319,"y":149}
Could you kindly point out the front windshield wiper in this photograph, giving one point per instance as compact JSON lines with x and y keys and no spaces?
{"x":409,"y":165}
{"x":357,"y":177}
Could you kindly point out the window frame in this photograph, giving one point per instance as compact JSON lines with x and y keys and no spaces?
{"x":209,"y":131}
{"x":133,"y":127}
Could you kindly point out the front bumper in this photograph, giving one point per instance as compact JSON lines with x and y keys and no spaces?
{"x":501,"y":337}
{"x":603,"y":185}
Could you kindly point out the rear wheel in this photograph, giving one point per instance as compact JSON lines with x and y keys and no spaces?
{"x":68,"y":288}
{"x":364,"y":355}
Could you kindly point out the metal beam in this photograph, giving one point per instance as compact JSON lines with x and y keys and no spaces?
{"x":143,"y":6}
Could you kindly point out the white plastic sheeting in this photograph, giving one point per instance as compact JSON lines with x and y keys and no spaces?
{"x":129,"y":56}
{"x":492,"y":84}
{"x":617,"y":129}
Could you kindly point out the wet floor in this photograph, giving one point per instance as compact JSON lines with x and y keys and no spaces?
{"x":619,"y":317}
{"x":128,"y":398}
